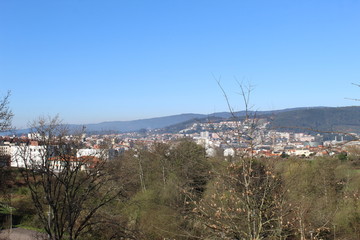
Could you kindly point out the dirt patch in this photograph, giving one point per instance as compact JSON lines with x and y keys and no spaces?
{"x":21,"y":234}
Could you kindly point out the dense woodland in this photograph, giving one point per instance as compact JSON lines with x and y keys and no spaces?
{"x":172,"y":191}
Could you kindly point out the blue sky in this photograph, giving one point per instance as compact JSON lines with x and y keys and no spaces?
{"x":91,"y":61}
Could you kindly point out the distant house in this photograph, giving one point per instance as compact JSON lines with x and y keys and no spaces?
{"x":99,"y":153}
{"x":229,"y":152}
{"x":34,"y":156}
{"x":5,"y":158}
{"x":82,"y":163}
{"x":299,"y":152}
{"x":27,"y":156}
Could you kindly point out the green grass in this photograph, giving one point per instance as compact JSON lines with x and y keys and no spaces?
{"x":41,"y":230}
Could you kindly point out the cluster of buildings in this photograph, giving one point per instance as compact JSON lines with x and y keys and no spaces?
{"x":225,"y":137}
{"x":267,"y":143}
{"x":26,"y":152}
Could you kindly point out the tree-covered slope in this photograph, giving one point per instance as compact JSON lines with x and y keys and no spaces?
{"x":346,"y":119}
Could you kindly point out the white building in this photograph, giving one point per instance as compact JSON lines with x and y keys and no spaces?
{"x":300,"y":152}
{"x":229,"y":152}
{"x":22,"y":156}
{"x":99,"y":153}
{"x":5,"y":150}
{"x":58,"y":164}
{"x":36,"y":157}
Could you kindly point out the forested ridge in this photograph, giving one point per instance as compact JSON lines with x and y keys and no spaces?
{"x":344,"y":119}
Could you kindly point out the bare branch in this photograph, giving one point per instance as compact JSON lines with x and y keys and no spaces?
{"x":6,"y":114}
{"x":67,"y":190}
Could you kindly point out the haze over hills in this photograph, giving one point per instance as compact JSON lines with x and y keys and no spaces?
{"x":345,"y":119}
{"x":135,"y":125}
{"x":163,"y":122}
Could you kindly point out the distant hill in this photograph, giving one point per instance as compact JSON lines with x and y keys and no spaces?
{"x":163,"y":122}
{"x":345,"y":119}
{"x":128,"y":126}
{"x":175,"y":128}
{"x":342,"y":119}
{"x":135,"y":125}
{"x":332,"y":119}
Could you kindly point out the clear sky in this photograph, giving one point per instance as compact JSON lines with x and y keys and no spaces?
{"x":103,"y":60}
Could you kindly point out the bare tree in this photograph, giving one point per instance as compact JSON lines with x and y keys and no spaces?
{"x":245,"y":200}
{"x":6,"y":114}
{"x":67,"y":190}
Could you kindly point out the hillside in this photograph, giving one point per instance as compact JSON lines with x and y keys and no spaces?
{"x":346,"y":119}
{"x":342,"y":119}
{"x":135,"y":125}
{"x":169,"y":122}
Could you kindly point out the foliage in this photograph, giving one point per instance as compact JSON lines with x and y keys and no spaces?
{"x":188,"y":196}
{"x":67,"y":191}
